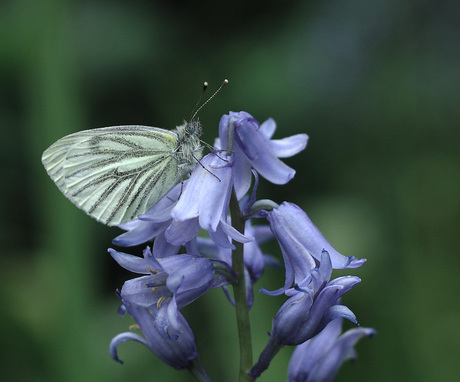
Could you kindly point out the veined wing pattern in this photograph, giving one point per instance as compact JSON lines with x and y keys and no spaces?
{"x":114,"y":173}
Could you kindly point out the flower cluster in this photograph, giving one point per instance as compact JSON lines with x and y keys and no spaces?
{"x":182,"y":264}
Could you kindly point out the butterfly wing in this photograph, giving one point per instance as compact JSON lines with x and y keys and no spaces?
{"x":114,"y":173}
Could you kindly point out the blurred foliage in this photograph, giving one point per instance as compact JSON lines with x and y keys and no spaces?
{"x":374,"y":84}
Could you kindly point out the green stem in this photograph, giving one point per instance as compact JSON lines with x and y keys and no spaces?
{"x":239,"y":292}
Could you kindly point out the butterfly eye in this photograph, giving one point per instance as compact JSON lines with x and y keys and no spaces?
{"x":190,"y":129}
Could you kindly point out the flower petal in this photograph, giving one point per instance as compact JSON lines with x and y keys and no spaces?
{"x":320,"y":358}
{"x":179,"y":233}
{"x":289,"y":146}
{"x":294,"y":229}
{"x":262,"y":158}
{"x":132,"y":263}
{"x":208,"y":192}
{"x":124,"y":337}
{"x":268,"y":128}
{"x":143,"y":232}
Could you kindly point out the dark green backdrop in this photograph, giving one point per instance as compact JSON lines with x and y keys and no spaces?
{"x":375,"y":84}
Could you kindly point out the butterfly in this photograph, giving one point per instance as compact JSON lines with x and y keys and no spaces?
{"x":116,"y":173}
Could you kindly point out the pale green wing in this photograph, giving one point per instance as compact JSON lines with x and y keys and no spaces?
{"x":114,"y":173}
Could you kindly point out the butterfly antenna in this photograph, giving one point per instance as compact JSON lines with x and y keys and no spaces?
{"x":209,"y":99}
{"x":192,"y":114}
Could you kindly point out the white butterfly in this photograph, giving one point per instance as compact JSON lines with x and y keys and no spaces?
{"x":116,"y":173}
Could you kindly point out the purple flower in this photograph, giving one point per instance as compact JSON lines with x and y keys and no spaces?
{"x":320,"y":358}
{"x":200,"y":202}
{"x":205,"y":201}
{"x":176,"y":348}
{"x":302,"y":244}
{"x":311,"y":306}
{"x":253,"y":148}
{"x":154,"y":300}
{"x":180,"y":279}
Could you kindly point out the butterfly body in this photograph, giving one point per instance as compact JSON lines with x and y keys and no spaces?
{"x":117,"y":173}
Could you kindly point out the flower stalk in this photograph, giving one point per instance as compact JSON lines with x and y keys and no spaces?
{"x":241,"y":306}
{"x":239,"y":287}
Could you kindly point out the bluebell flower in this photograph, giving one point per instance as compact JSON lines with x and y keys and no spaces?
{"x":206,"y":200}
{"x":302,"y":244}
{"x":201,"y":202}
{"x":311,"y":306}
{"x":320,"y":358}
{"x":154,"y":300}
{"x":180,"y":279}
{"x":254,"y":148}
{"x":176,"y":348}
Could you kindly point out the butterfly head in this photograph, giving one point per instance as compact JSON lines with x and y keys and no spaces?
{"x":193,"y":128}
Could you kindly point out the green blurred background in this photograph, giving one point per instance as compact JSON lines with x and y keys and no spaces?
{"x":375,"y":84}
